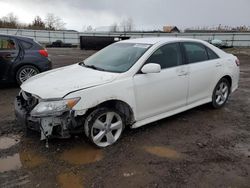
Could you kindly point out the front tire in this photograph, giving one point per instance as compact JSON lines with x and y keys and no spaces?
{"x":25,"y":72}
{"x":105,"y":127}
{"x":221,"y":93}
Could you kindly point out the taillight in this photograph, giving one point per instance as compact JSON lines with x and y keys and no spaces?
{"x":43,"y":53}
{"x":237,"y":61}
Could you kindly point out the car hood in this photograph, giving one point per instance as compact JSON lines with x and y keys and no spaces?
{"x":59,"y":82}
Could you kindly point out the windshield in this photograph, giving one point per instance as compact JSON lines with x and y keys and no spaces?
{"x":118,"y":57}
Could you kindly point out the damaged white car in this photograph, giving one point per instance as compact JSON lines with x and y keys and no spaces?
{"x":127,"y":84}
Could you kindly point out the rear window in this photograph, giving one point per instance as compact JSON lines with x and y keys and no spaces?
{"x":195,"y":52}
{"x":26,"y":45}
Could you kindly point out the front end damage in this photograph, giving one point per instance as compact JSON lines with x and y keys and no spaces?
{"x":31,"y":111}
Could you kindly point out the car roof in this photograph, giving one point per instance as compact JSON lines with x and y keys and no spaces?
{"x":155,"y":40}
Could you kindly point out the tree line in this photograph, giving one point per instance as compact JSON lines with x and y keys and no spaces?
{"x":51,"y":22}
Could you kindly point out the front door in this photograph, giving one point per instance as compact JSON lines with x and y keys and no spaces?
{"x":157,"y":93}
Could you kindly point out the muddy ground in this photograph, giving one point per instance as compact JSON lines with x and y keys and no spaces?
{"x":198,"y":148}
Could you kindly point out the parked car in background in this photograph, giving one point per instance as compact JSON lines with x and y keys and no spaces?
{"x":127,"y":84}
{"x":60,"y":44}
{"x":219,"y":43}
{"x":21,"y":58}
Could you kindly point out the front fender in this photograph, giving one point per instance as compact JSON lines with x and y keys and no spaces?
{"x":121,"y":90}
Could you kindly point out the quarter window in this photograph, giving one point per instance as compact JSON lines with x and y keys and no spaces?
{"x":25,"y":45}
{"x":167,"y":56}
{"x":7,"y":44}
{"x":212,"y":54}
{"x":195,"y":52}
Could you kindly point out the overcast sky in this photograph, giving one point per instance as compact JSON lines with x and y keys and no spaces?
{"x":146,"y":14}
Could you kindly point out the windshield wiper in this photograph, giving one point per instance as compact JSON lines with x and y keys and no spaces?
{"x":91,"y":66}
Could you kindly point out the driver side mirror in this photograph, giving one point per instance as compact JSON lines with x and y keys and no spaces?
{"x":151,"y":68}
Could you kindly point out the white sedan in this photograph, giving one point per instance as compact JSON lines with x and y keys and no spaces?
{"x":128,"y":84}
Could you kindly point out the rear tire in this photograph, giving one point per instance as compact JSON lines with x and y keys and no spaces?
{"x":25,"y":72}
{"x":221,"y":93}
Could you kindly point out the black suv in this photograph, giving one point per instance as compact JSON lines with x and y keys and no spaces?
{"x":21,"y":58}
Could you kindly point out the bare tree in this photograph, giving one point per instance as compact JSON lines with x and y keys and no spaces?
{"x":89,"y":28}
{"x":114,"y":27}
{"x":130,"y":24}
{"x":123,"y":25}
{"x":9,"y":21}
{"x":127,"y":24}
{"x":37,"y":23}
{"x":53,"y":22}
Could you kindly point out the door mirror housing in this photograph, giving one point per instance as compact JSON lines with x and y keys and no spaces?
{"x":151,"y":68}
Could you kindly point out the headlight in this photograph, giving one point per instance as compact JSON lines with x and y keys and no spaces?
{"x":49,"y":108}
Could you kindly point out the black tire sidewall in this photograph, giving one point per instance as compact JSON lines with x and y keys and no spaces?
{"x":96,"y":114}
{"x":214,"y":103}
{"x":23,"y":67}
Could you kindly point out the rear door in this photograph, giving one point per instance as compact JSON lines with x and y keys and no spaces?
{"x":204,"y":69}
{"x":9,"y":51}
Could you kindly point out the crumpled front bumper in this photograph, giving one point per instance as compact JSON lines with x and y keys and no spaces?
{"x":23,"y":119}
{"x":48,"y":126}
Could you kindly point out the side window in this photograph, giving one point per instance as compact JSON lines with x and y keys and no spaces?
{"x":167,"y":56}
{"x":7,"y":44}
{"x":212,"y":54}
{"x":25,"y":45}
{"x":195,"y":52}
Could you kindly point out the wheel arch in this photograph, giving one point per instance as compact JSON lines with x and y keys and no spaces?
{"x":119,"y":105}
{"x":229,"y":79}
{"x":24,"y":64}
{"x":21,"y":65}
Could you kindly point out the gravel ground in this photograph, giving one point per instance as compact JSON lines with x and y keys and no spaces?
{"x":201,"y":147}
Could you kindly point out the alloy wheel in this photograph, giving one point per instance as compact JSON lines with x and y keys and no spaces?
{"x":221,"y":94}
{"x":26,"y":72}
{"x":106,"y":129}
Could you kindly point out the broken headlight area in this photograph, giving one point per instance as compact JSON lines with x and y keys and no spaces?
{"x":27,"y":101}
{"x":50,"y":117}
{"x":53,"y":107}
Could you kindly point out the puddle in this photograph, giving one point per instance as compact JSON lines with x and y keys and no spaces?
{"x":26,"y":159}
{"x":66,"y":180}
{"x":10,"y":163}
{"x":8,"y":141}
{"x":30,"y":159}
{"x":162,"y":151}
{"x":82,"y":155}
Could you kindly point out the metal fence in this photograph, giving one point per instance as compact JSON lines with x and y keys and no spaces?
{"x":44,"y":36}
